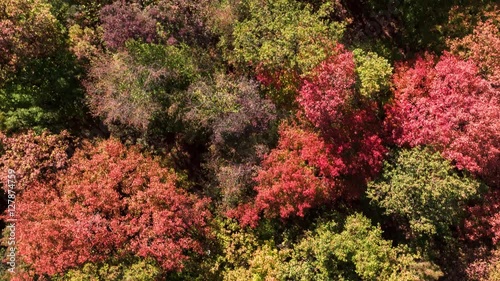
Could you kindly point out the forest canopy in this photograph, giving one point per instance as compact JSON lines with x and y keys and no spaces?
{"x":250,"y":140}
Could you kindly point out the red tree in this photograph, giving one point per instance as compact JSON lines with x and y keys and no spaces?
{"x":111,"y":201}
{"x":325,"y":95}
{"x":299,"y":174}
{"x":347,"y":120}
{"x":450,"y":107}
{"x":307,"y":169}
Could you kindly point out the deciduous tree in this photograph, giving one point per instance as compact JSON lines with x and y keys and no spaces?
{"x":424,"y":189}
{"x":122,"y":21}
{"x":232,"y":111}
{"x":132,"y":85}
{"x":38,"y":83}
{"x":483,"y":221}
{"x":356,"y":251}
{"x":28,"y":30}
{"x":299,"y":174}
{"x":112,"y":201}
{"x":373,"y":74}
{"x":347,"y":119}
{"x":283,"y":39}
{"x":450,"y":107}
{"x":238,"y":123}
{"x":127,"y":268}
{"x":329,"y":92}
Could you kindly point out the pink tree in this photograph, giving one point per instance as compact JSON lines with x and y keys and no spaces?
{"x":450,"y":107}
{"x":326,"y":94}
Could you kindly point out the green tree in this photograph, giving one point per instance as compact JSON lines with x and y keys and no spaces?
{"x":423,"y":188}
{"x":373,"y":73}
{"x":129,"y":268}
{"x":283,"y":39}
{"x":39,"y":85}
{"x":354,"y":251}
{"x":44,"y":94}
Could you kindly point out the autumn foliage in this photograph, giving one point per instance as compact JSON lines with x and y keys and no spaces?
{"x":35,"y":158}
{"x":131,"y":85}
{"x":250,"y":140}
{"x":111,"y":201}
{"x":483,"y":222}
{"x":327,"y":95}
{"x":299,"y":174}
{"x":134,"y":22}
{"x":347,"y":120}
{"x":482,"y":48}
{"x":28,"y":30}
{"x":308,"y":168}
{"x":449,"y":106}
